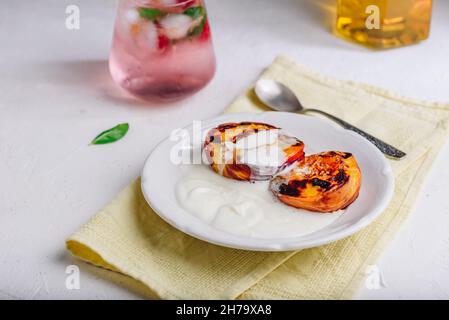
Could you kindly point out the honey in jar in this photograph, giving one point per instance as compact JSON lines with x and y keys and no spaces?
{"x":384,"y":23}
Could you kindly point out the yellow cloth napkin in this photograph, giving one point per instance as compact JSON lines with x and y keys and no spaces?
{"x":128,"y":237}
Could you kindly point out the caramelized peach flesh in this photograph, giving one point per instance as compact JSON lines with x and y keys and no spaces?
{"x":324,"y":182}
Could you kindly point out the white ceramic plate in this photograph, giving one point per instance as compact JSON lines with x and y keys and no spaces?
{"x":160,"y":176}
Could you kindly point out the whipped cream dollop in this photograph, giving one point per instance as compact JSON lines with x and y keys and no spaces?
{"x":261,"y":149}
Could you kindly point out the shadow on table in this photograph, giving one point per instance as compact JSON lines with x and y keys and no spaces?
{"x":89,"y":75}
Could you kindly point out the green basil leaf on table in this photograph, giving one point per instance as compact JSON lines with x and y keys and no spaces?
{"x":112,"y":135}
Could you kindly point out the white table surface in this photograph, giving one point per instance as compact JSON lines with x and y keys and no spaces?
{"x":56,"y":94}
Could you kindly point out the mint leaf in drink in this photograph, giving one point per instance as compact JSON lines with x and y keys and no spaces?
{"x":150,"y":14}
{"x":195,"y":12}
{"x":199,"y":29}
{"x":111,"y":135}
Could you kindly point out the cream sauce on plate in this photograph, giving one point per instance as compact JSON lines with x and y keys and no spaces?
{"x":244,"y":208}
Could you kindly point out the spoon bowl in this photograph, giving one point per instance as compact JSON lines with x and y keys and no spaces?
{"x":277,"y":96}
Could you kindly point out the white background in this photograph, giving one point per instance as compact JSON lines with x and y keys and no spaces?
{"x":56,"y":94}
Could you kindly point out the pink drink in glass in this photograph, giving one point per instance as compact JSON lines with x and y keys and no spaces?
{"x":162,"y":49}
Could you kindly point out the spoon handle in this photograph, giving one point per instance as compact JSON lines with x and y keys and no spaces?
{"x":387,"y":149}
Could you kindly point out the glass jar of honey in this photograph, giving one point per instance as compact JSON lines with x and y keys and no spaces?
{"x":384,"y":23}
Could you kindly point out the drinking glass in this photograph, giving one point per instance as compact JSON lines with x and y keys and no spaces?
{"x":162,"y":49}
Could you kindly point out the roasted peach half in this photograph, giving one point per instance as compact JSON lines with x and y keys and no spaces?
{"x":250,"y":151}
{"x":324,"y":182}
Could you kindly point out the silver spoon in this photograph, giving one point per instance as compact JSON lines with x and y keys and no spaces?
{"x":280,"y":98}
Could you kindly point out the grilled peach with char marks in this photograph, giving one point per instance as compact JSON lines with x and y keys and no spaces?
{"x":324,"y":182}
{"x":250,"y":151}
